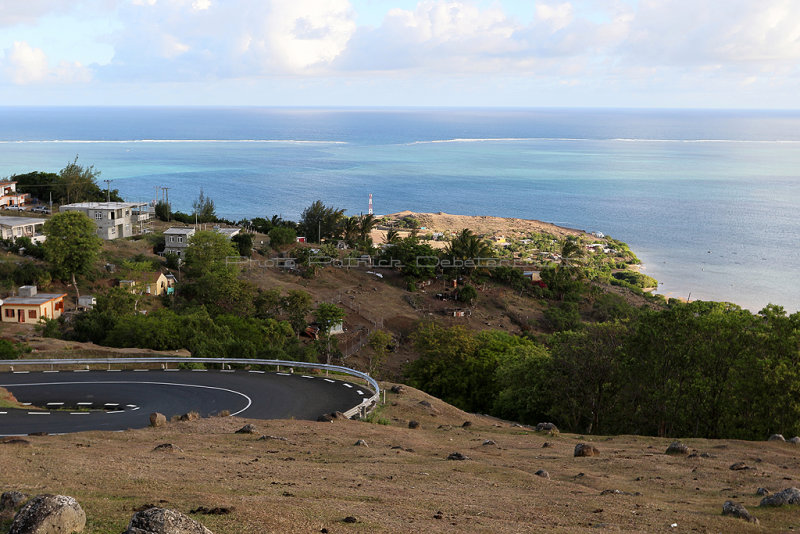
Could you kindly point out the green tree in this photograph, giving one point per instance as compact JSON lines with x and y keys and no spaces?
{"x":163,"y":211}
{"x":467,"y":294}
{"x":72,"y":245}
{"x":281,"y":236}
{"x":379,"y":342}
{"x":392,"y":236}
{"x":319,"y":221}
{"x":466,"y":251}
{"x":79,"y":184}
{"x":244,"y":242}
{"x":203,"y":208}
{"x":327,"y":315}
{"x":414,"y":259}
{"x":296,"y":306}
{"x":207,"y":251}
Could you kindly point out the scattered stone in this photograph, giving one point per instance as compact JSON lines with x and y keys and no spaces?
{"x":426,"y":404}
{"x":737,"y":510}
{"x":413,"y":424}
{"x":739,"y":466}
{"x":549,"y":428}
{"x":466,"y":424}
{"x":247,"y":429}
{"x":787,"y":496}
{"x":217,"y":510}
{"x":10,"y":500}
{"x":397,"y":389}
{"x":38,"y":434}
{"x":542,"y":473}
{"x":762,"y":492}
{"x":360,"y":443}
{"x":546,"y":444}
{"x":776,"y":437}
{"x":795,"y":440}
{"x":168,"y":447}
{"x":325,"y":418}
{"x":488,"y":442}
{"x":190,"y":416}
{"x":46,"y":514}
{"x":157,"y":419}
{"x":457,"y":456}
{"x":619,"y":492}
{"x":349,"y":519}
{"x":438,"y":515}
{"x":676,"y":447}
{"x":586,"y":449}
{"x":164,"y":521}
{"x":265,"y":438}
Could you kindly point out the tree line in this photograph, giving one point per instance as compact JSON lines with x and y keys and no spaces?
{"x":702,"y":369}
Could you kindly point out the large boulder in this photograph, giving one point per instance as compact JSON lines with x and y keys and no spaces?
{"x":676,"y":447}
{"x":157,"y":419}
{"x":787,"y":496}
{"x":548,"y":428}
{"x":164,"y":521}
{"x":776,"y":437}
{"x":585,"y":449}
{"x":737,"y":510}
{"x":49,"y":514}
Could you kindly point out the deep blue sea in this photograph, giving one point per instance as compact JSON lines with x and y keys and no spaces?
{"x":709,"y":200}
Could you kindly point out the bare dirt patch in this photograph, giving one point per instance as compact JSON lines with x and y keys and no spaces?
{"x":306,"y":476}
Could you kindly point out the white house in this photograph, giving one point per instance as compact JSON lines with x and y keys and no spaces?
{"x":14,"y":227}
{"x":113,"y":219}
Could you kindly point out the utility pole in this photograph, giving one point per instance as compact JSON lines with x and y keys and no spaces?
{"x":108,"y":190}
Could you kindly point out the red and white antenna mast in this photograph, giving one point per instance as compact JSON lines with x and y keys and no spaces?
{"x":370,"y":204}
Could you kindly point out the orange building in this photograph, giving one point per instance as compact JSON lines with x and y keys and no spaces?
{"x":9,"y":195}
{"x":31,"y":307}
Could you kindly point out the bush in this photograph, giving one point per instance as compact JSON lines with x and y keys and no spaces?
{"x":281,"y":236}
{"x":637,"y":279}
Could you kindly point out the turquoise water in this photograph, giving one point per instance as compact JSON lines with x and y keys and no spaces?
{"x":708,"y":200}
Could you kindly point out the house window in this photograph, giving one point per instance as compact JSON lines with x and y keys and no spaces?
{"x":31,"y":314}
{"x":9,"y":312}
{"x":180,"y":240}
{"x":98,"y":215}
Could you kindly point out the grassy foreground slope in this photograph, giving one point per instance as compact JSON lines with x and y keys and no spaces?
{"x":309,"y":476}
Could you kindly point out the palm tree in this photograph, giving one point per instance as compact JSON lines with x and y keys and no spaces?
{"x":571,"y":255}
{"x":366,"y":224}
{"x":468,"y":247}
{"x":350,"y":229}
{"x":392,"y":236}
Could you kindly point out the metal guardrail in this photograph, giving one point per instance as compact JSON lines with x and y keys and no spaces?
{"x":361,"y":409}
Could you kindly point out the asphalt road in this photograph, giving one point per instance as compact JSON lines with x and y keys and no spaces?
{"x":77,"y":401}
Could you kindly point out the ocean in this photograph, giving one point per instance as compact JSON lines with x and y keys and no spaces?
{"x":709,"y":200}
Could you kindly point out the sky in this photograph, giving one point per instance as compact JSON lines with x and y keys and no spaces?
{"x":739,"y":54}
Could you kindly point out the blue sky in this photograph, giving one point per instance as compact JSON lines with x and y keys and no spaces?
{"x":596,"y":53}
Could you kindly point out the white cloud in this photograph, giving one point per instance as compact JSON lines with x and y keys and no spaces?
{"x":24,"y":65}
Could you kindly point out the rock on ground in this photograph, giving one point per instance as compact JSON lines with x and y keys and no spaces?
{"x":247,"y":429}
{"x":676,"y":447}
{"x":550,"y":428}
{"x":776,"y":437}
{"x":164,"y":521}
{"x":795,"y":440}
{"x":49,"y":514}
{"x":157,"y":419}
{"x":586,"y":449}
{"x":10,"y":500}
{"x":737,"y":510}
{"x":787,"y":496}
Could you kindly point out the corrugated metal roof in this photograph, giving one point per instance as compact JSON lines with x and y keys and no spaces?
{"x":39,"y":299}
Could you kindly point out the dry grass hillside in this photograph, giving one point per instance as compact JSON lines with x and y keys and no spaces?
{"x":307,"y":477}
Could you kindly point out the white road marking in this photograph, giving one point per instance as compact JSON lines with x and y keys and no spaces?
{"x":137,"y":383}
{"x":306,"y":376}
{"x":79,"y":413}
{"x":227,"y":370}
{"x":3,"y":413}
{"x":131,"y":405}
{"x":81,"y":371}
{"x":329,"y":380}
{"x":199,"y":370}
{"x":55,"y":404}
{"x":26,"y":403}
{"x":21,"y":372}
{"x":113,"y":370}
{"x":359,"y":392}
{"x":284,"y":374}
{"x":38,"y":413}
{"x":140,"y":370}
{"x":259,"y":372}
{"x":171,"y":370}
{"x":347,"y":385}
{"x":111,"y":404}
{"x":116,"y":411}
{"x":134,"y":409}
{"x":51,"y":371}
{"x":85,"y":403}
